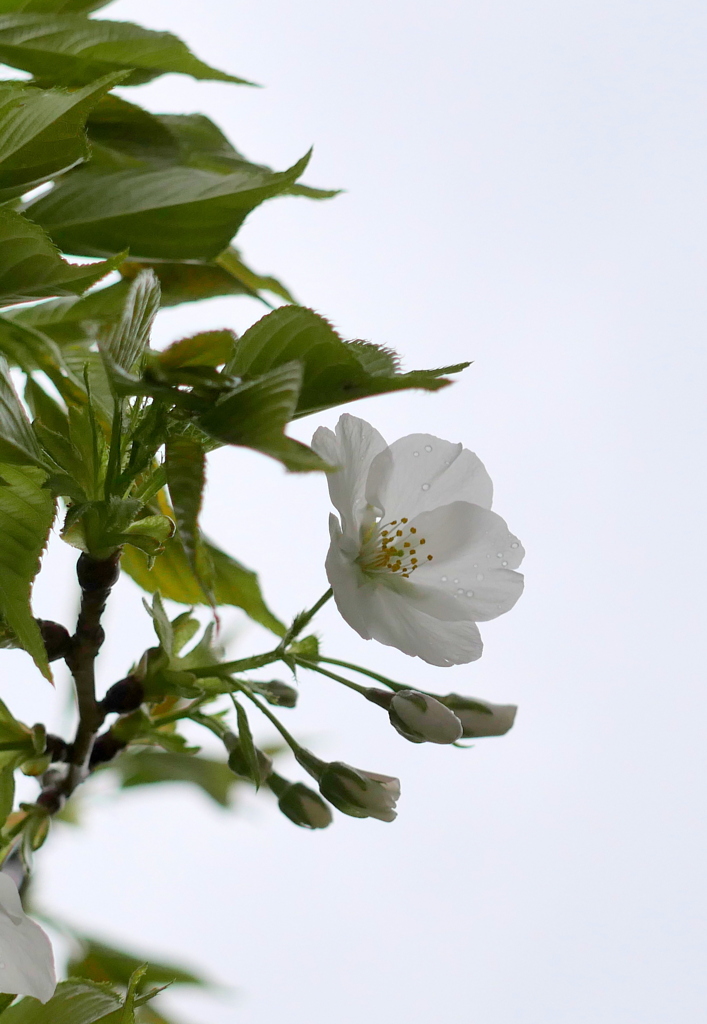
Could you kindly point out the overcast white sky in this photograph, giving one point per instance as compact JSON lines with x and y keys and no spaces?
{"x":525,"y":188}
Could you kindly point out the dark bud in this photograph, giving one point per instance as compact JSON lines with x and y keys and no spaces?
{"x":123,"y":697}
{"x":95,"y":574}
{"x":240,"y":766}
{"x":383,"y":698}
{"x":105,"y":748}
{"x":57,"y":640}
{"x":52,"y":800}
{"x":282,"y":695}
{"x":57,"y":748}
{"x":304,"y":807}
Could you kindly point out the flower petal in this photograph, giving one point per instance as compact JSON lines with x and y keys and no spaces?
{"x":393,"y":620}
{"x":352,"y":448}
{"x":481,"y":574}
{"x":422,"y":472}
{"x":347,"y":581}
{"x":27,"y":960}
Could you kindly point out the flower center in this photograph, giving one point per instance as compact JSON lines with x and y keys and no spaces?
{"x":393,"y":547}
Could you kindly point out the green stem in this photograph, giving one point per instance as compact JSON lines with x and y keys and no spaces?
{"x":244,"y":665}
{"x":366,"y":672}
{"x":314,"y":667}
{"x":303,"y":619}
{"x":287,"y":737}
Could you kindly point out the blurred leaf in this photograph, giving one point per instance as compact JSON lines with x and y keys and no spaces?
{"x":185,"y":462}
{"x":26,"y":515}
{"x":210,"y":348}
{"x":171,"y":574}
{"x":226,"y":275}
{"x":52,"y":6}
{"x":99,"y":961}
{"x":247,"y":747}
{"x":74,"y":1002}
{"x":31,"y":267}
{"x":333,"y":371}
{"x":69,"y":49}
{"x":148,"y":767}
{"x":42,"y":131}
{"x":256,"y":413}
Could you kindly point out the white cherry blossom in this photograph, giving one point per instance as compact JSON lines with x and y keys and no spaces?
{"x":26,"y":958}
{"x":417,"y":557}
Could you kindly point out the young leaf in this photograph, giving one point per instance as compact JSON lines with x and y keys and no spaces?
{"x":256,"y":413}
{"x":173,"y":213}
{"x":68,"y":49}
{"x":26,"y":515}
{"x":42,"y":131}
{"x":74,"y":1002}
{"x":185,"y":462}
{"x":147,"y":767}
{"x":31,"y":267}
{"x":18,"y":443}
{"x":333,"y":371}
{"x":73,"y":322}
{"x":210,"y":348}
{"x":247,"y":746}
{"x":173,"y":577}
{"x":129,"y":338}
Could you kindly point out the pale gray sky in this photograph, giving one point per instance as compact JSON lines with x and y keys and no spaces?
{"x":525,"y":188}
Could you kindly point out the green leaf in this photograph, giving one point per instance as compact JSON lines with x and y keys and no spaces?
{"x":147,"y":767}
{"x":256,"y":413}
{"x":173,"y":213}
{"x":210,"y":348}
{"x":127,"y":341}
{"x":69,"y":49}
{"x":128,"y":1015}
{"x":42,"y":131}
{"x":74,"y":1002}
{"x":52,"y":6}
{"x":5,"y":1000}
{"x":18,"y":443}
{"x":172,"y":575}
{"x":72,"y":322}
{"x":226,"y":275}
{"x":7,"y":793}
{"x":333,"y":371}
{"x":32,"y":268}
{"x":26,"y":515}
{"x":185,"y":462}
{"x":247,"y":746}
{"x":101,"y":962}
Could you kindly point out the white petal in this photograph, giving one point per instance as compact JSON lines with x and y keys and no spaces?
{"x":26,"y":957}
{"x":352,"y":448}
{"x":393,"y":620}
{"x":481,"y":575}
{"x":497,"y":723}
{"x":426,"y":472}
{"x":351,"y":592}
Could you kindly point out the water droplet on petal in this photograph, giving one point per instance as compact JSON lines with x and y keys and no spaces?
{"x":515,"y":544}
{"x":479,"y":576}
{"x":416,"y":454}
{"x":470,"y":593}
{"x":444,"y":579}
{"x":499,"y":554}
{"x":456,"y":581}
{"x":425,"y":487}
{"x":461,"y":590}
{"x":504,"y":563}
{"x":428,"y":447}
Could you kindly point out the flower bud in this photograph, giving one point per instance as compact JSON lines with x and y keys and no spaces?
{"x":238,"y":763}
{"x":98,"y":574}
{"x":358,"y":793}
{"x":123,"y":697}
{"x":282,"y":695}
{"x":480,"y":717}
{"x":300,"y":804}
{"x":422,"y":719}
{"x":57,"y":639}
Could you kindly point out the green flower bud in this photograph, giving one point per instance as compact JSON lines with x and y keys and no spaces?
{"x":480,"y":717}
{"x":302,"y":805}
{"x":238,"y":763}
{"x":358,"y":793}
{"x":422,"y":719}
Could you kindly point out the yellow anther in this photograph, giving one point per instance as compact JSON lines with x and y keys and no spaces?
{"x":406,"y":544}
{"x":413,"y":529}
{"x":422,"y":540}
{"x":429,"y":558}
{"x":403,"y":520}
{"x":414,"y":561}
{"x":398,"y":533}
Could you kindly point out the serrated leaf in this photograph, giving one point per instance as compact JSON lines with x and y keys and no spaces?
{"x":99,"y":961}
{"x":42,"y":131}
{"x":26,"y":514}
{"x":7,"y":793}
{"x":32,"y":350}
{"x":185,"y":463}
{"x":226,"y":275}
{"x":148,"y":767}
{"x":32,"y":268}
{"x":18,"y":442}
{"x":231,"y":582}
{"x":75,"y":323}
{"x":174,"y":213}
{"x":333,"y":371}
{"x":74,"y":1002}
{"x":69,"y":49}
{"x":129,"y":338}
{"x":256,"y":413}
